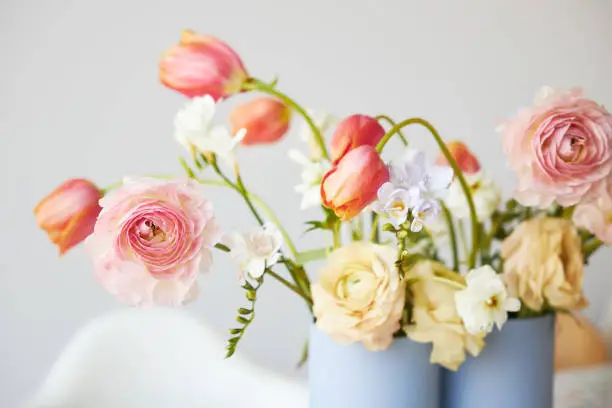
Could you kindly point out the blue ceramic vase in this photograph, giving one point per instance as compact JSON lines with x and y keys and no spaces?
{"x":353,"y":377}
{"x":514,"y":370}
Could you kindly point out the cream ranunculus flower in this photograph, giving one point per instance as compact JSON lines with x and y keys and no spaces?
{"x":544,"y":264}
{"x":360,"y":296}
{"x":434,"y":315}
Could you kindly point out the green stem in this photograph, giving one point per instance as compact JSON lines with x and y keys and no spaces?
{"x":568,"y":212}
{"x":257,"y":85}
{"x":463,"y":236}
{"x":392,"y":123}
{"x":374,"y":235}
{"x":458,"y":173}
{"x":336,"y":235}
{"x":264,"y":207}
{"x":290,"y":286}
{"x":452,"y":234}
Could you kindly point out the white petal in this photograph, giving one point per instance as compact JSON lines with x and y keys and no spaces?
{"x":256,"y":267}
{"x":512,"y":304}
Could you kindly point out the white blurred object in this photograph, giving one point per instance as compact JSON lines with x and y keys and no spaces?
{"x":159,"y":359}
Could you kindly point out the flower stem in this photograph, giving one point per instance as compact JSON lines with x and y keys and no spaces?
{"x":463,"y":236}
{"x":374,"y":235}
{"x":336,"y":235}
{"x":458,"y":173}
{"x":257,"y":85}
{"x":452,"y":234}
{"x":447,"y":282}
{"x":290,"y":286}
{"x":392,"y":123}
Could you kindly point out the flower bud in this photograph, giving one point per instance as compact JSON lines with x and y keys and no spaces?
{"x":353,"y":184}
{"x":467,"y":162}
{"x":69,"y":213}
{"x":266,"y":120}
{"x":352,"y":132}
{"x":201,"y":65}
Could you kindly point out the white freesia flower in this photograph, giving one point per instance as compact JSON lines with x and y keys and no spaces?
{"x":414,"y":185}
{"x":485,"y":193}
{"x":415,"y":171}
{"x":395,"y":203}
{"x":193,"y":128}
{"x":312,"y":175}
{"x":485,"y":302}
{"x":255,"y":250}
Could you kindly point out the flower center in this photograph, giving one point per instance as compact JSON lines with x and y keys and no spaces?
{"x":151,"y":232}
{"x":398,"y":207}
{"x":492,"y":302}
{"x":572,"y":149}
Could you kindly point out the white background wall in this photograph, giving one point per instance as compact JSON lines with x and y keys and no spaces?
{"x":79,"y":96}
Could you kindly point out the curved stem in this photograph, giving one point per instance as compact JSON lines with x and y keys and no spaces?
{"x":256,"y":84}
{"x":392,"y":123}
{"x":264,"y":207}
{"x":336,"y":235}
{"x":290,"y":286}
{"x":458,"y":173}
{"x":452,"y":234}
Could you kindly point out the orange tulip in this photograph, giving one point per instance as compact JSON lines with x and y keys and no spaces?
{"x":265,"y":119}
{"x":352,"y":132}
{"x":69,"y":213}
{"x":468,"y":163}
{"x":200,"y":65}
{"x":353,"y":184}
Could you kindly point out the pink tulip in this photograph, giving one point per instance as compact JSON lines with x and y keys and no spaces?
{"x":265,"y":119}
{"x":69,"y":213}
{"x":353,"y":184}
{"x":352,"y":132}
{"x":468,"y":163}
{"x":200,"y":65}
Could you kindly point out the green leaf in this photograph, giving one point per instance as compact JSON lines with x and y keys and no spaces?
{"x":304,"y":357}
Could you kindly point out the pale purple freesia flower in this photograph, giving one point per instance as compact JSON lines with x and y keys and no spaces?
{"x":395,"y":202}
{"x":423,"y":212}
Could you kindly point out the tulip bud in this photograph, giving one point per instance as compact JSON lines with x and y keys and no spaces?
{"x":352,"y":132}
{"x":353,"y":184}
{"x":265,"y":119}
{"x":200,"y":65}
{"x":467,"y":162}
{"x":69,"y":213}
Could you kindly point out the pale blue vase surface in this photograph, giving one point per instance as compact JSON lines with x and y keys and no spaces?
{"x":353,"y":377}
{"x":514,"y":370}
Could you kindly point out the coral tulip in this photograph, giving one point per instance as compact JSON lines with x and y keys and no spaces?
{"x":468,"y":163}
{"x":353,"y":184}
{"x":202,"y":65}
{"x":69,"y":213}
{"x":266,"y":120}
{"x":352,"y":132}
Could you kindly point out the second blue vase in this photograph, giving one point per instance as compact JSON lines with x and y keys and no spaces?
{"x":514,"y":370}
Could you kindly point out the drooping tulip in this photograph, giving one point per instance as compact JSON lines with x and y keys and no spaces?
{"x":352,"y":132}
{"x":353,"y":184}
{"x":202,"y":65}
{"x":467,"y":162}
{"x":69,"y":213}
{"x":266,"y":120}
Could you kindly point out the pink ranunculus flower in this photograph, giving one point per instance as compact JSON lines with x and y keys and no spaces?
{"x":560,"y":149}
{"x":596,"y":215}
{"x":151,"y":239}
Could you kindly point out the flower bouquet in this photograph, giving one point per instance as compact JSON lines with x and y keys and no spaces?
{"x":423,"y":261}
